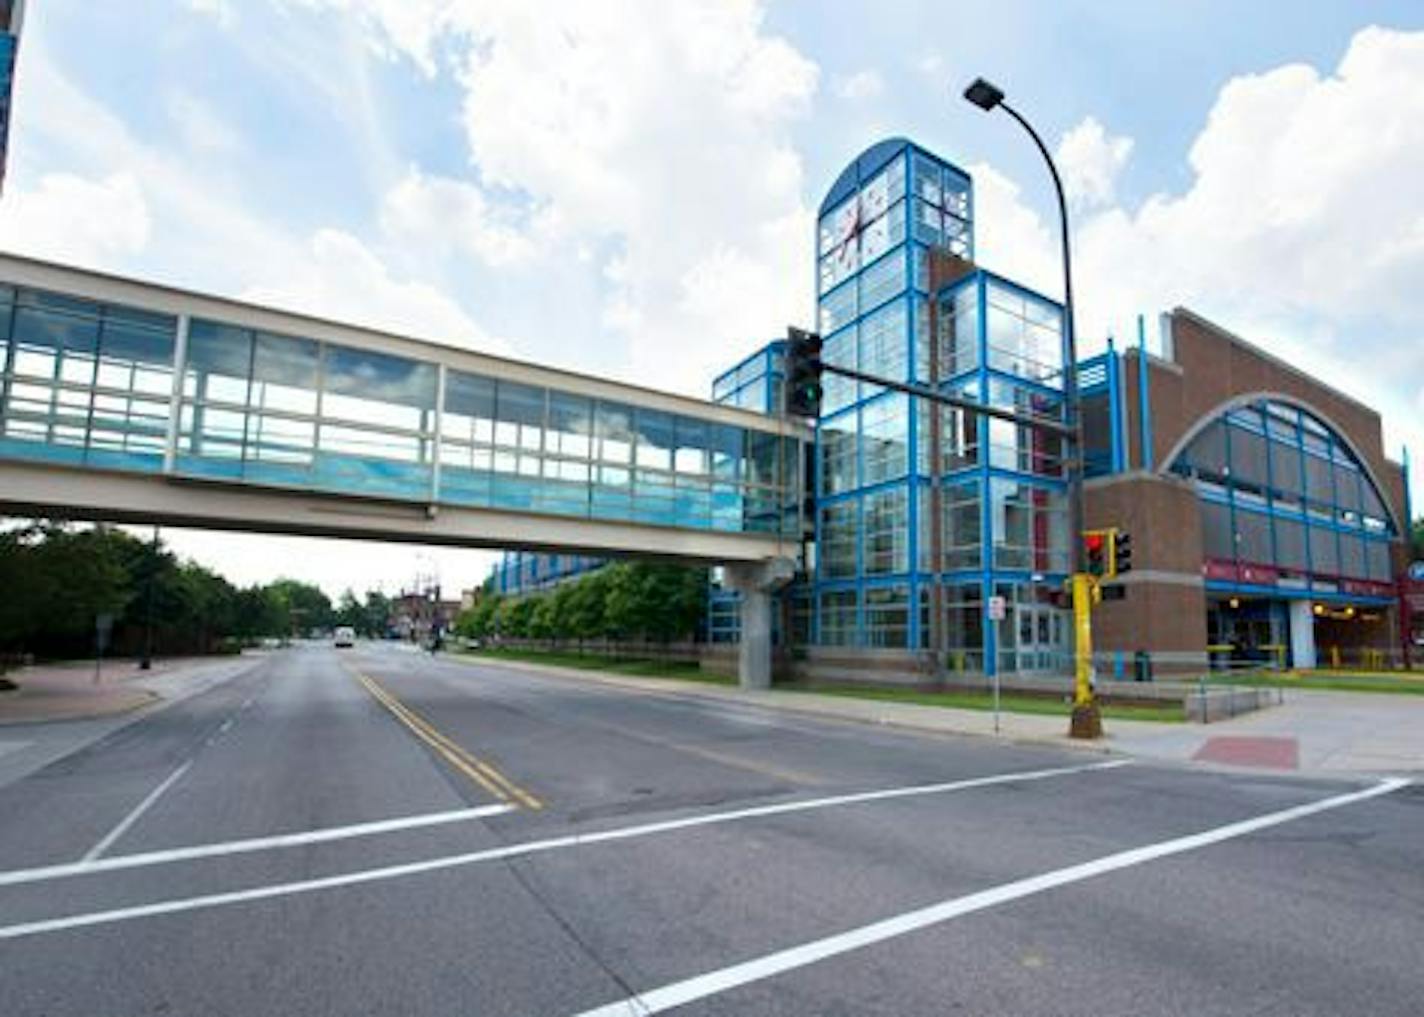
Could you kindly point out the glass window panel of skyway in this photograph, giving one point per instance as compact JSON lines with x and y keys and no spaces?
{"x":515,"y":445}
{"x":84,"y":381}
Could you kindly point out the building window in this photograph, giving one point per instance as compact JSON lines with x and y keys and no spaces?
{"x":1024,"y":335}
{"x":884,"y":342}
{"x":887,"y":532}
{"x":887,"y":617}
{"x":1029,"y":526}
{"x":838,"y":618}
{"x":884,"y":440}
{"x":837,"y":540}
{"x":837,"y":443}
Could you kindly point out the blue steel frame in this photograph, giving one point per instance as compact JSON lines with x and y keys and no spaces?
{"x":919,"y":576}
{"x":1102,"y":376}
{"x":1144,"y":398}
{"x":729,"y":387}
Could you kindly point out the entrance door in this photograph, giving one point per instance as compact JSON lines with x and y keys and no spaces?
{"x":1250,"y":633}
{"x":1042,"y":638}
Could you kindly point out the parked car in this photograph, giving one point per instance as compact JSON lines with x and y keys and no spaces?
{"x":345,"y":636}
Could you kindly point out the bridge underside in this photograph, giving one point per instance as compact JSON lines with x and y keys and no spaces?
{"x":48,"y":491}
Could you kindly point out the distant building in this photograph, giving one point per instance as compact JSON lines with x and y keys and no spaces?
{"x":12,"y":16}
{"x":521,"y":572}
{"x":415,"y":614}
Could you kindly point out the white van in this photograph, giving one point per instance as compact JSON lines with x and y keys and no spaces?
{"x":345,"y":636}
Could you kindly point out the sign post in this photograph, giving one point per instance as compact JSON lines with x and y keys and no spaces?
{"x":998,"y":611}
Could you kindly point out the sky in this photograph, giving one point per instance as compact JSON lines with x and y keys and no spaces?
{"x":628,"y":188}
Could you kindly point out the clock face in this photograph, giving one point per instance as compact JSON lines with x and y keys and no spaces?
{"x":875,"y":241}
{"x":875,"y":198}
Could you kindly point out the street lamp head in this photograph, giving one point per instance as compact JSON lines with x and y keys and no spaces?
{"x":984,"y":94}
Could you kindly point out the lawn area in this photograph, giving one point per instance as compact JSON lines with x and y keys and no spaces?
{"x":641,"y":667}
{"x":1339,"y":681}
{"x":1009,"y":703}
{"x":645,"y":668}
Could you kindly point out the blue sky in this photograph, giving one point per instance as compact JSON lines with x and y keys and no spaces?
{"x":627,"y":188}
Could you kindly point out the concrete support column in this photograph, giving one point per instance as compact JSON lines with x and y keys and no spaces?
{"x":754,"y":651}
{"x":756,"y":583}
{"x":1302,"y":634}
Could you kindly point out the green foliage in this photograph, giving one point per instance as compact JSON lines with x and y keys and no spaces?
{"x":626,"y":600}
{"x":479,"y":621}
{"x":1416,"y":540}
{"x":58,"y":579}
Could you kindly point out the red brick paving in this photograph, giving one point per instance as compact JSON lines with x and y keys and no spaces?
{"x":1243,"y":750}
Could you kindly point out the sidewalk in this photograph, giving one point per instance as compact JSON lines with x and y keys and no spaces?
{"x":68,"y":691}
{"x":1311,"y":732}
{"x":58,"y":709}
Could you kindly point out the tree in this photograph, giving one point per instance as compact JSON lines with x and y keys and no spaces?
{"x":377,"y":615}
{"x":514,"y":616}
{"x":584,"y":614}
{"x":1417,"y":539}
{"x":305,"y":606}
{"x":543,"y":618}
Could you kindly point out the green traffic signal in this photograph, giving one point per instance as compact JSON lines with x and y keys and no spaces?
{"x":803,"y":374}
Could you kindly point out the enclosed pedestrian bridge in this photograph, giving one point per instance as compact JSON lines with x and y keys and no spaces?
{"x":131,"y":402}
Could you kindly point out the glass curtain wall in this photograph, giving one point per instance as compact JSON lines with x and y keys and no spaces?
{"x":881,"y":217}
{"x":1281,"y":492}
{"x":998,"y":487}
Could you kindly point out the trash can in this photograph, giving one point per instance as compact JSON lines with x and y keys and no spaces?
{"x":1142,"y":666}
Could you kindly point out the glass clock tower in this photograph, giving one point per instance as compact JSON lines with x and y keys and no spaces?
{"x":922,"y":513}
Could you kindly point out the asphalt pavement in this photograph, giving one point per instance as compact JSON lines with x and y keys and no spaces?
{"x":374,"y":831}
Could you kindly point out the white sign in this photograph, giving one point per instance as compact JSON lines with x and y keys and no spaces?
{"x":1416,"y":571}
{"x":998,"y":609}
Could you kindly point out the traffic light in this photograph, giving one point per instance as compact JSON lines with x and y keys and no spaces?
{"x":1095,"y":550}
{"x":803,"y":373}
{"x":1122,"y":552}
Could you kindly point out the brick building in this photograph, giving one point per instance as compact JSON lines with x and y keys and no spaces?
{"x":1268,"y":523}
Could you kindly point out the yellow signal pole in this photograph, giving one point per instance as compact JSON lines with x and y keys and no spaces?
{"x":1087,"y":719}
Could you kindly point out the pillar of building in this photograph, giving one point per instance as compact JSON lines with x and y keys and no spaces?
{"x":1302,"y":634}
{"x":756,"y":582}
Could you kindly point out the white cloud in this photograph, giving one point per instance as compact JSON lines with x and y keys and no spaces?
{"x":1090,"y":161}
{"x":203,"y":131}
{"x":343,"y":280}
{"x":222,"y":11}
{"x":76,"y":219}
{"x":861,"y":85}
{"x":660,"y":131}
{"x":930,"y":64}
{"x":447,"y":215}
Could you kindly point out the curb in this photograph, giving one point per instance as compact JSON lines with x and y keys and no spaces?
{"x":149,"y":699}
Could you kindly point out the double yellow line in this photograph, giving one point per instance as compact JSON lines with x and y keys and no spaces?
{"x":482,"y":773}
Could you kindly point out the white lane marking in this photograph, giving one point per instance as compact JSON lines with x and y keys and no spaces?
{"x":700,"y":987}
{"x":517,"y":850}
{"x":129,"y":820}
{"x":234,"y":847}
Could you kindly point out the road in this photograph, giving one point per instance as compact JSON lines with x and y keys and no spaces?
{"x":372,"y":831}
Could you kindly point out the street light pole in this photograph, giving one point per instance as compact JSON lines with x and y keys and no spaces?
{"x":1087,"y":721}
